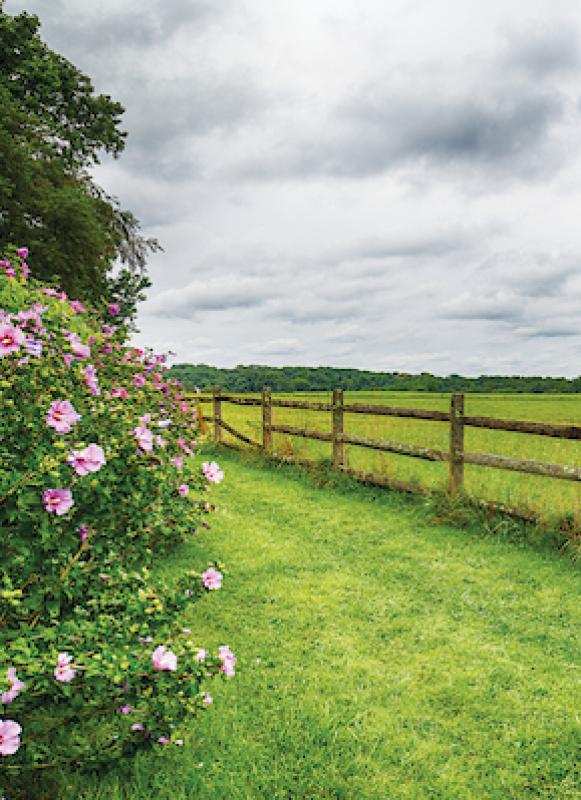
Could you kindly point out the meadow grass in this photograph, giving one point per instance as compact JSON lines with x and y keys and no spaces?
{"x":381,"y":656}
{"x":550,"y":498}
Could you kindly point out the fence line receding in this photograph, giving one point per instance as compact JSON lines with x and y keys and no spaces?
{"x":456,"y":456}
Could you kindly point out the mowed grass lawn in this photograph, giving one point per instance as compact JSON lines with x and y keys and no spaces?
{"x":380,"y":656}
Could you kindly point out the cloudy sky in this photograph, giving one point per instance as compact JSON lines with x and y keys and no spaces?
{"x":386,"y":184}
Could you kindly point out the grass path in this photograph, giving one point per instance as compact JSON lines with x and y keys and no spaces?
{"x":380,"y":657}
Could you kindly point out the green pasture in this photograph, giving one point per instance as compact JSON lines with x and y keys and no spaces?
{"x":381,"y":656}
{"x":550,"y":497}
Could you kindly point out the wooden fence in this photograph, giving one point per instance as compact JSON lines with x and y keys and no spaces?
{"x":457,"y":421}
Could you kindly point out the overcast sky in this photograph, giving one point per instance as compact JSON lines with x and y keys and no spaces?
{"x":385,"y":184}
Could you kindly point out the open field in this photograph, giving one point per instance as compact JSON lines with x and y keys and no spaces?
{"x":549,"y":497}
{"x":380,"y":656}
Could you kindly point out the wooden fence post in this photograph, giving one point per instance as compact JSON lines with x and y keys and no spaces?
{"x":456,"y":443}
{"x":217,"y":414}
{"x":337,"y":415}
{"x":266,"y":421}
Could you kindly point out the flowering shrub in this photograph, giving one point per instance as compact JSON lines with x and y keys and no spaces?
{"x":94,"y":445}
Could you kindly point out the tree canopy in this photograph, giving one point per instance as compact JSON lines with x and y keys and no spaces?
{"x":53,"y":127}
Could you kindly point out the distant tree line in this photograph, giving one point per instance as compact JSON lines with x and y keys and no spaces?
{"x":253,"y":377}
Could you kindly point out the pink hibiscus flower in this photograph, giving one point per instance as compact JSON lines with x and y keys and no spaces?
{"x":91,"y":459}
{"x":64,"y":672}
{"x":184,"y":489}
{"x":228,"y":661}
{"x":144,"y":438}
{"x":90,"y":376}
{"x":212,"y":579}
{"x":9,"y":737}
{"x":212,"y":472}
{"x":80,"y":350}
{"x":164,"y":660}
{"x":62,"y":416}
{"x":58,"y":501}
{"x":10,"y":339}
{"x":15,"y":684}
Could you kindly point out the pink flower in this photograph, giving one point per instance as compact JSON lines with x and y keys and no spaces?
{"x":10,"y":339}
{"x":201,"y":655}
{"x":184,"y":447}
{"x":178,"y":462}
{"x":16,"y":687}
{"x":144,"y":438}
{"x":80,"y":350}
{"x":125,"y":709}
{"x":58,"y":501}
{"x":137,"y":726}
{"x":140,"y":380}
{"x":77,"y":307}
{"x":68,"y":359}
{"x":113,"y":309}
{"x":83,"y":532}
{"x":212,"y":472}
{"x":183,"y":489}
{"x":212,"y":579}
{"x":9,"y":737}
{"x":90,"y":376}
{"x":22,"y":252}
{"x":164,"y":660}
{"x":62,"y":416}
{"x":64,"y":672}
{"x":91,"y":459}
{"x":207,"y":699}
{"x":163,"y":740}
{"x":228,"y":660}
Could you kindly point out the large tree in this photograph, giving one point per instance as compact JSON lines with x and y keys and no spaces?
{"x":53,"y":128}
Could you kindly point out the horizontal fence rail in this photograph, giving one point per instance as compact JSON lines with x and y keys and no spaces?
{"x":395,"y":411}
{"x":455,"y":456}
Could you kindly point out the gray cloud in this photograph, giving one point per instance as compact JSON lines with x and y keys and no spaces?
{"x":166,"y":143}
{"x":543,"y":49}
{"x":496,"y":305}
{"x":230,"y":291}
{"x":372,"y":135}
{"x":279,"y":347}
{"x":90,"y":31}
{"x":408,"y":246}
{"x":551,"y":331}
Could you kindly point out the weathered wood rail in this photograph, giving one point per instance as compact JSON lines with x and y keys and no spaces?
{"x":456,"y":455}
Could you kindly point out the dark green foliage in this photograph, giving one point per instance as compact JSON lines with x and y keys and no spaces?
{"x":70,"y":121}
{"x":253,"y":377}
{"x":52,"y":127}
